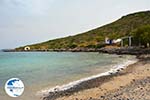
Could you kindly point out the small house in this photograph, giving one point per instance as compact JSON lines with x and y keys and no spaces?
{"x":27,"y":48}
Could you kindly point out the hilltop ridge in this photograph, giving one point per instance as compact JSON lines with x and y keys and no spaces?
{"x":95,"y":38}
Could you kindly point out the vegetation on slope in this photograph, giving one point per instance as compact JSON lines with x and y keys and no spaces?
{"x":95,"y":38}
{"x":142,"y":36}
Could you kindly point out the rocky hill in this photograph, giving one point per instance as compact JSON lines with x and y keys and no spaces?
{"x":95,"y":38}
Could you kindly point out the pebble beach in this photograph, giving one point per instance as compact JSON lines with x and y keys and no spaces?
{"x":131,"y":83}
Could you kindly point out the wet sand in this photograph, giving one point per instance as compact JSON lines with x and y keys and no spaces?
{"x":128,"y":84}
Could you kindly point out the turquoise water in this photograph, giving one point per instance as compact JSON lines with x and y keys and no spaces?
{"x":41,"y":70}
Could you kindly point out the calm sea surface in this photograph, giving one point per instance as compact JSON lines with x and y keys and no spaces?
{"x":42,"y":70}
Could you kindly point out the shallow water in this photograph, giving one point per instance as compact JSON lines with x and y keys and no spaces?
{"x":42,"y":70}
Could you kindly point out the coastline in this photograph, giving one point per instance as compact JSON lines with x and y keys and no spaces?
{"x":114,"y":50}
{"x":131,"y":83}
{"x":105,"y":87}
{"x":85,"y":83}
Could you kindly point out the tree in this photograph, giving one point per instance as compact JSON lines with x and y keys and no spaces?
{"x":72,"y":45}
{"x":142,"y":35}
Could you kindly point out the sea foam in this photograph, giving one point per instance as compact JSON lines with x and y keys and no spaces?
{"x":113,"y":70}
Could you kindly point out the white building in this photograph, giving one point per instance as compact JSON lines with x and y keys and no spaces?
{"x":26,"y":48}
{"x":117,"y":41}
{"x":109,"y":41}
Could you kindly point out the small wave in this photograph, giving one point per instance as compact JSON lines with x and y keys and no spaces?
{"x":114,"y":70}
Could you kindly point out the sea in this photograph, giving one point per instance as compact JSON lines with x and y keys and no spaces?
{"x":41,"y":71}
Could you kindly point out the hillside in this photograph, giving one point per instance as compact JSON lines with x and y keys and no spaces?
{"x":95,"y":38}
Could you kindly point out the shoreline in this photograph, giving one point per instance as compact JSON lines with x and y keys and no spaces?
{"x":85,"y":83}
{"x":114,"y":50}
{"x":127,"y":84}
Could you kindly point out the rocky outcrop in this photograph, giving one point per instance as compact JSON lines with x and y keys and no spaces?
{"x":131,"y":51}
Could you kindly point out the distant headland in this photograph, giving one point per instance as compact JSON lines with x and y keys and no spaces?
{"x":123,"y":33}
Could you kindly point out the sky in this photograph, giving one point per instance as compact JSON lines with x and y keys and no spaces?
{"x":25,"y":22}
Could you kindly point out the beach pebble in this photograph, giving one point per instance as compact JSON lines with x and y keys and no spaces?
{"x":137,"y":90}
{"x":102,"y":96}
{"x":76,"y":99}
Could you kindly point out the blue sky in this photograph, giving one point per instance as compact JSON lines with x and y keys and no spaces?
{"x":31,"y":21}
